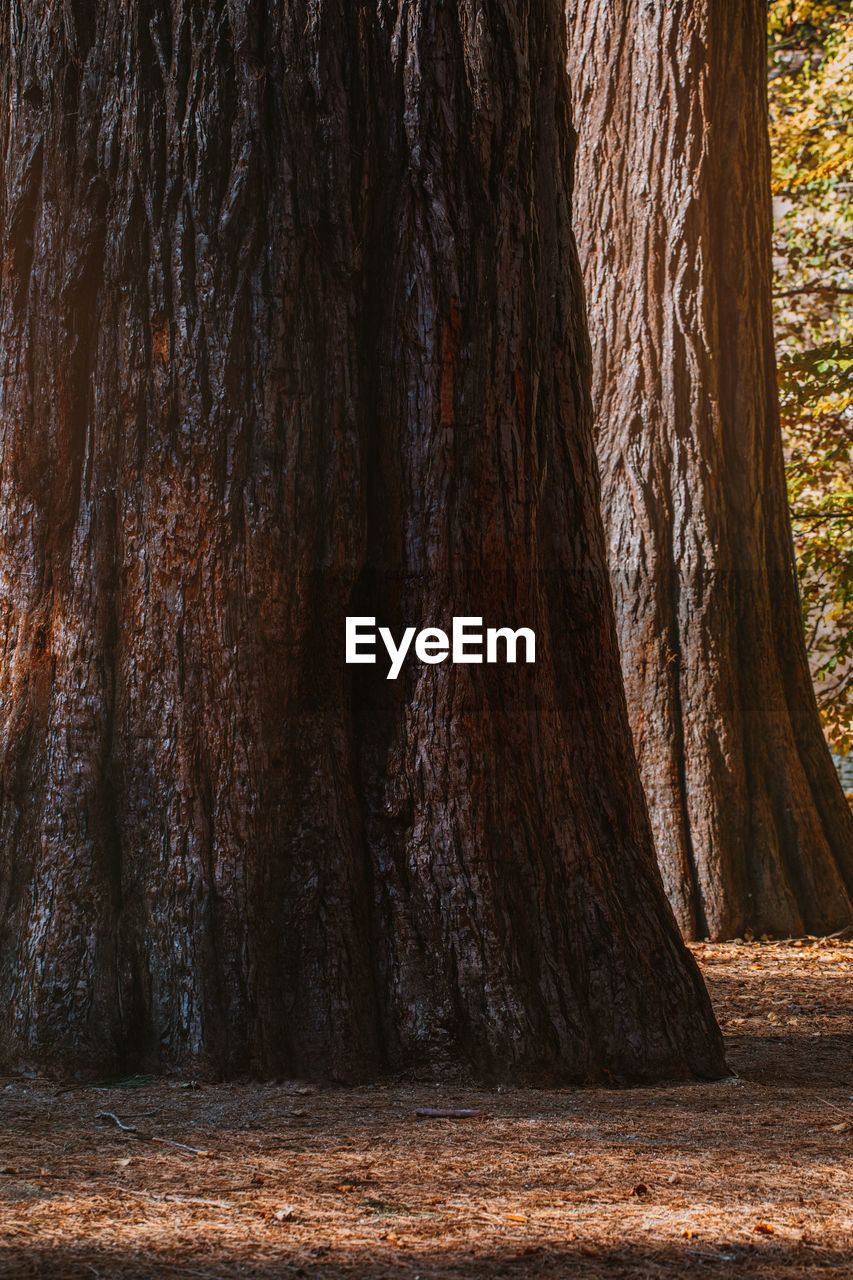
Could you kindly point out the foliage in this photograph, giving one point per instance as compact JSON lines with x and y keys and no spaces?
{"x":811,"y":123}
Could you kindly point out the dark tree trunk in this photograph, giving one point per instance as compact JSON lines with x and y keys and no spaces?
{"x":673,"y":216}
{"x":292,"y":329}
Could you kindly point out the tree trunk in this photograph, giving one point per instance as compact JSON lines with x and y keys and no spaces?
{"x":673,"y":216}
{"x":291,"y":331}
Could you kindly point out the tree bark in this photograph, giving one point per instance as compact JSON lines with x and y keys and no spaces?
{"x":673,"y":217}
{"x":292,"y":330}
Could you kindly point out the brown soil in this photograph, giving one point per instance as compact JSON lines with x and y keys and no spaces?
{"x":749,"y":1176}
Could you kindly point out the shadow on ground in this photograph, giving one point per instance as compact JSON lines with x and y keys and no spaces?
{"x":763,"y":1262}
{"x":747,"y":1176}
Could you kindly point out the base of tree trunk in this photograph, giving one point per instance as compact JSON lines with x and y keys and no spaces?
{"x":292,"y":330}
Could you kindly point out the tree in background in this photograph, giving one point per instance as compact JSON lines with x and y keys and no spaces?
{"x":673,"y":216}
{"x":811,"y":119}
{"x":291,"y":328}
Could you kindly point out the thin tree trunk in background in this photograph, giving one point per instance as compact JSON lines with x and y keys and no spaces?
{"x":673,"y":218}
{"x":291,"y":330}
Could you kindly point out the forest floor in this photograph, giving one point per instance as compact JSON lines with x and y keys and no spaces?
{"x":749,"y":1176}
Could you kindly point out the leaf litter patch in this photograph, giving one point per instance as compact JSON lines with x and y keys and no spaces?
{"x":747,"y":1176}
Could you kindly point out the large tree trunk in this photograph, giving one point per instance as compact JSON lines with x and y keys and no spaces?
{"x":291,"y":330}
{"x":673,"y":218}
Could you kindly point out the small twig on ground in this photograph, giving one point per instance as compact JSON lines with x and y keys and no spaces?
{"x":110,"y":1115}
{"x":441,"y":1113}
{"x":840,"y":1110}
{"x":196,"y":1151}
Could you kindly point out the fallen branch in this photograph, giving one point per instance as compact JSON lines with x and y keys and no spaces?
{"x":147,"y":1137}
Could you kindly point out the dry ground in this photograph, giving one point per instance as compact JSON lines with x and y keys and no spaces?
{"x":747,"y":1177}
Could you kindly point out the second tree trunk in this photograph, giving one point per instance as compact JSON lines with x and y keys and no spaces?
{"x":673,"y":217}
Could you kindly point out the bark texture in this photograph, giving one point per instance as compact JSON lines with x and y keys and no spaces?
{"x":673,"y":218}
{"x":292,"y":329}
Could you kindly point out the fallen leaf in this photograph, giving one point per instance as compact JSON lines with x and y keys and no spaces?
{"x":764,"y":1228}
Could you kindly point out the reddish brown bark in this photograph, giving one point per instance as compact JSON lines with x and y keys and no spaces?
{"x":291,"y":330}
{"x":673,"y":216}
